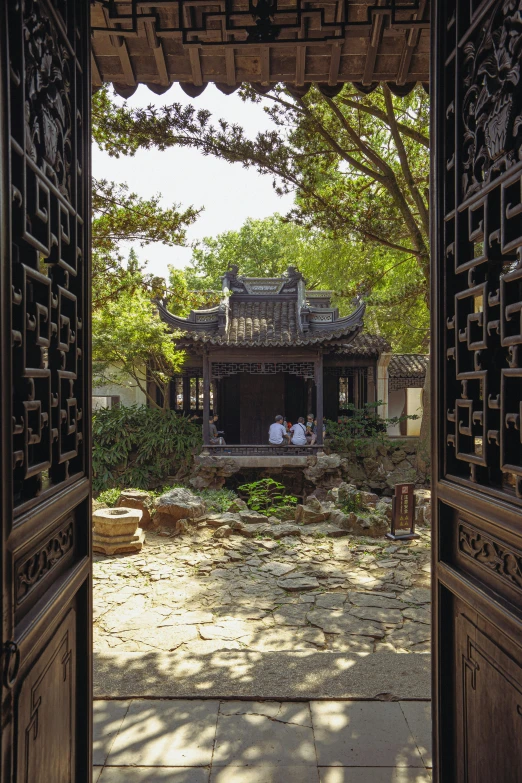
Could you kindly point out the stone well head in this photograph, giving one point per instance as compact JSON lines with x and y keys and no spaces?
{"x":116,"y":521}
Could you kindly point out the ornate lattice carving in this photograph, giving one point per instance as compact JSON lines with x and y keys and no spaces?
{"x":491,"y":554}
{"x":43,"y":560}
{"x":224,"y":369}
{"x":47,"y":94}
{"x":483,"y":254}
{"x":492,"y":106}
{"x":322,"y":317}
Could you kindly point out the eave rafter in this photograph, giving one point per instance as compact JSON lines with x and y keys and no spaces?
{"x":194,"y":42}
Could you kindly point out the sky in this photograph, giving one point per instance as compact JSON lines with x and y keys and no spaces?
{"x":228,"y":192}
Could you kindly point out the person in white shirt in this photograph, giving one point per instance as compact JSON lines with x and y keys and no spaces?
{"x":298,"y":432}
{"x":277,"y":433}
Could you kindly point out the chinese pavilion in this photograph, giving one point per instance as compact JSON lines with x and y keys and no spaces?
{"x":271,"y":347}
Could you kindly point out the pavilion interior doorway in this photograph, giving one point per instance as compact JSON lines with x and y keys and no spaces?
{"x":248,"y":403}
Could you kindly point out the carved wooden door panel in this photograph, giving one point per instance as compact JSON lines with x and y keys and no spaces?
{"x":477,"y":411}
{"x":45,"y":391}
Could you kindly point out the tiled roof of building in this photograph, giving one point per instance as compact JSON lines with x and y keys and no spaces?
{"x":408,"y":365}
{"x":364,"y":345}
{"x":271,"y":312}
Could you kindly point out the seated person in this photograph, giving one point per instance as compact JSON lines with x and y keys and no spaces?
{"x":277,"y":433}
{"x":216,"y":438}
{"x":298,"y":432}
{"x":311,"y":434}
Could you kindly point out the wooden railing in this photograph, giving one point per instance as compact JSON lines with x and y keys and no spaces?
{"x":262,"y":451}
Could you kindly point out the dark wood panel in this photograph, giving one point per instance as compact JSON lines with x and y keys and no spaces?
{"x":477,"y":391}
{"x":45,"y":391}
{"x":47,"y":711}
{"x":262,"y":397}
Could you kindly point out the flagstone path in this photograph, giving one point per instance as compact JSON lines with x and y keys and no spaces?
{"x":198,"y":594}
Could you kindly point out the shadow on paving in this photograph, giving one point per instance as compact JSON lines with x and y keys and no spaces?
{"x":262,"y":742}
{"x":194,"y":617}
{"x":252,"y":675}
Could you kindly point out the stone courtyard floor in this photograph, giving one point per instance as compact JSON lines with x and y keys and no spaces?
{"x":209,"y":741}
{"x":304,"y":617}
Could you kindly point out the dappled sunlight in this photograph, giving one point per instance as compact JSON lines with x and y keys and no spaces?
{"x":263,"y":741}
{"x":193,"y":618}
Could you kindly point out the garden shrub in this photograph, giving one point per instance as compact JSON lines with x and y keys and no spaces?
{"x":361,"y":427}
{"x":139,"y":447}
{"x":267,"y":496}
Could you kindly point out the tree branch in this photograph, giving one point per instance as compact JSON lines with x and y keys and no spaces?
{"x":417,"y":136}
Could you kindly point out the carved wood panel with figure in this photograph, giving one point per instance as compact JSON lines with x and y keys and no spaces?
{"x":45,"y":391}
{"x":477,"y":358}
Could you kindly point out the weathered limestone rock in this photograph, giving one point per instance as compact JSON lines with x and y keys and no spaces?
{"x":369,"y":499}
{"x":178,"y":503}
{"x":117,"y":531}
{"x":138,"y":498}
{"x":285,"y":529}
{"x":253,"y":530}
{"x":319,"y":466}
{"x":309,"y":515}
{"x":218,"y":520}
{"x":252,"y":517}
{"x":237,"y":505}
{"x":211,"y":472}
{"x":223,"y":532}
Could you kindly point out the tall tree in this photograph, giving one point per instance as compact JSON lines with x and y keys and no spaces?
{"x":358,"y":165}
{"x":131,"y":343}
{"x":266,"y":247}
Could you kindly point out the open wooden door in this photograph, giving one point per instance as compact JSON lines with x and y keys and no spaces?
{"x":477,"y":382}
{"x":45,"y":391}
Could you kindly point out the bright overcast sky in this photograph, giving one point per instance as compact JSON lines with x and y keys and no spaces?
{"x":228,"y":192}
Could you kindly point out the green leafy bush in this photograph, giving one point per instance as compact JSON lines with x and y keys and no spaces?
{"x":138,"y":446}
{"x":267,"y":496}
{"x":361,"y":426}
{"x":109,"y":496}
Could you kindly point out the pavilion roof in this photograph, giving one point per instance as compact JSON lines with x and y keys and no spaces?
{"x":364,"y":344}
{"x":327,"y":42}
{"x":408,"y":365}
{"x":262,"y":312}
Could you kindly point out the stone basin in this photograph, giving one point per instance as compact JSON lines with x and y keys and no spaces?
{"x":117,"y":521}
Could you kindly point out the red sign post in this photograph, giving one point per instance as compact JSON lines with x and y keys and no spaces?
{"x":403,"y":514}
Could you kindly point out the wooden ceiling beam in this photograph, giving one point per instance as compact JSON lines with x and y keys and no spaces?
{"x":412,"y":40}
{"x":195,"y":65}
{"x":300,"y":65}
{"x":265,"y":66}
{"x":230,"y":65}
{"x":373,"y":47}
{"x":123,"y":53}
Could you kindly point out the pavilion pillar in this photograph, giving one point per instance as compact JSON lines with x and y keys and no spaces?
{"x":319,"y":389}
{"x":206,"y":401}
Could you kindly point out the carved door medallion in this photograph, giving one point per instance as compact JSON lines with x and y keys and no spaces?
{"x":45,"y":391}
{"x":477,"y":388}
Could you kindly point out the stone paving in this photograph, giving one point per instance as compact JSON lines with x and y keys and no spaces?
{"x":201,"y":594}
{"x":210,"y":741}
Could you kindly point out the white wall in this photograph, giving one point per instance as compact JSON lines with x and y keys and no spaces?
{"x":414,"y":408}
{"x":396,"y":402}
{"x":129,"y":393}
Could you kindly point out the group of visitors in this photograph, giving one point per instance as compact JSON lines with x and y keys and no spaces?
{"x":303,"y":433}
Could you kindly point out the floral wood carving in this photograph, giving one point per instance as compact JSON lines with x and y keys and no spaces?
{"x":48,"y":103}
{"x":492,"y":106}
{"x":43,"y":560}
{"x":491,"y":554}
